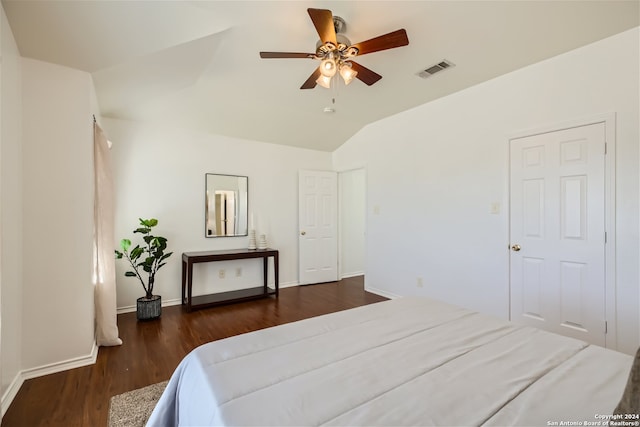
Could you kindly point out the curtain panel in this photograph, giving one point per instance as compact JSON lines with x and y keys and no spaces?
{"x":104,"y":274}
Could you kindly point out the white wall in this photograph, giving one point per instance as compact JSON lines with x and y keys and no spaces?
{"x":448,"y":164}
{"x":160,"y":173}
{"x":58,"y":310}
{"x":10,"y":214}
{"x":352,"y":205}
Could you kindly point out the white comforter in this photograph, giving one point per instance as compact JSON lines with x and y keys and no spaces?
{"x":408,"y":361}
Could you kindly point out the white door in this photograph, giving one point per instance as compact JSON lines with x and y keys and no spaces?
{"x":318,"y":231}
{"x":558,"y":232}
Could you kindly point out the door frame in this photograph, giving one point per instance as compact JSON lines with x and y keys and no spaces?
{"x":341,"y":219}
{"x":609,"y":120}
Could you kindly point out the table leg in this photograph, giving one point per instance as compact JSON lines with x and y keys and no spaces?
{"x":189,"y":283}
{"x":184,"y":280}
{"x":265,"y":272}
{"x":276,"y":273}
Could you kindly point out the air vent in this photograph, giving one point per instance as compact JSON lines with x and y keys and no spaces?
{"x":440,"y":66}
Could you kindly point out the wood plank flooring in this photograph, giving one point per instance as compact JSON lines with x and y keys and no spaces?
{"x":152,"y":350}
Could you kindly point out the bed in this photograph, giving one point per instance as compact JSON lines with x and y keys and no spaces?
{"x":407,"y":361}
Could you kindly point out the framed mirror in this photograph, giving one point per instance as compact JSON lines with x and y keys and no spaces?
{"x":226,"y":205}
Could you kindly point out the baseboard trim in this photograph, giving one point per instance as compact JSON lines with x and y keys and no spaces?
{"x":288,"y":285}
{"x":132,"y":308}
{"x":76,"y":362}
{"x":355,"y":274}
{"x":11,"y":392}
{"x":176,"y":301}
{"x":52,"y":368}
{"x":381,"y":292}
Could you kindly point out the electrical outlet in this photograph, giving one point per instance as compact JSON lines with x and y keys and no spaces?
{"x":221,"y":273}
{"x":419,"y":282}
{"x":239,"y":272}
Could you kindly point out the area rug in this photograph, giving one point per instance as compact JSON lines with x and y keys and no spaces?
{"x":133,"y":408}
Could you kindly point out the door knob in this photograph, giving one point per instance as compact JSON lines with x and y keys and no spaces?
{"x":303,"y":233}
{"x":515,"y":248}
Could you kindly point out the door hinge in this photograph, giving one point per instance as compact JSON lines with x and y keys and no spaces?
{"x":605,"y":148}
{"x":606,"y":326}
{"x":605,"y":237}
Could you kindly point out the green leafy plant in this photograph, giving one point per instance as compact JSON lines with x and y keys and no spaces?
{"x":148,"y":258}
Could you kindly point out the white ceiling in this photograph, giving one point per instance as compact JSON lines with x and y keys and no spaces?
{"x":195,"y":64}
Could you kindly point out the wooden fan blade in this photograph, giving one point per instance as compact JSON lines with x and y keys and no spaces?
{"x":286,"y":55}
{"x":323,"y":21}
{"x":364,"y":74}
{"x":388,"y":41}
{"x":311,"y":81}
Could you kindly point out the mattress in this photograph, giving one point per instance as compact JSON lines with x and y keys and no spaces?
{"x":407,"y":361}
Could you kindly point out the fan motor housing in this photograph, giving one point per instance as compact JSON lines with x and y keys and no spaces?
{"x":340,"y":26}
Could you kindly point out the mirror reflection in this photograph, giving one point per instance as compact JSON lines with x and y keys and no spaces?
{"x":226,"y":201}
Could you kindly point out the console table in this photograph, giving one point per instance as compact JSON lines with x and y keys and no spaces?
{"x":201,"y":301}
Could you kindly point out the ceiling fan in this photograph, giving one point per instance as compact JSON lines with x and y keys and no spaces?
{"x":336,"y":52}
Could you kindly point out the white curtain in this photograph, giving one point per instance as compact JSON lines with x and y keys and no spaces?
{"x":104,"y":257}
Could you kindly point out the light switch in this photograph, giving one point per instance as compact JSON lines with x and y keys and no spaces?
{"x":495,"y":208}
{"x":376,"y":210}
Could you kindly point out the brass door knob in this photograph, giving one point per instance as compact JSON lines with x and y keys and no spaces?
{"x":515,"y":248}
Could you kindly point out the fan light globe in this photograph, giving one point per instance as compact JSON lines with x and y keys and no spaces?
{"x":324,"y":81}
{"x":347,"y":73}
{"x":328,"y":67}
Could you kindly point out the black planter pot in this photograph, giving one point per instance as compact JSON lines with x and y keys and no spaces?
{"x":149,"y":309}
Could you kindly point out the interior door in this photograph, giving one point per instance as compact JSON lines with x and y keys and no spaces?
{"x":317,"y":219}
{"x":558,"y":232}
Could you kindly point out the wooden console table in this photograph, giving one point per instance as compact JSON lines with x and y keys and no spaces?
{"x":201,"y":301}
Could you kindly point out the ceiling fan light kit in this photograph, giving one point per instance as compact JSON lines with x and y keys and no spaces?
{"x":328,"y":68}
{"x":335,"y":51}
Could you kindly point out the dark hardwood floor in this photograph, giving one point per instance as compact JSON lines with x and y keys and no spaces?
{"x":152,"y":350}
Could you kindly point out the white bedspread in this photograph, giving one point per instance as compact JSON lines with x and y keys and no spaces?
{"x":408,"y":361}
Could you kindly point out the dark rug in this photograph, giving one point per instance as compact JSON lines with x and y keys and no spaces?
{"x":133,"y":408}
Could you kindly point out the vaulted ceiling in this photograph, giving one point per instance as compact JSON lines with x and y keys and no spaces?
{"x":195,"y":64}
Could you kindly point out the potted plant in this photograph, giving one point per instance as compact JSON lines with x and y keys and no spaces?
{"x":149,"y":258}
